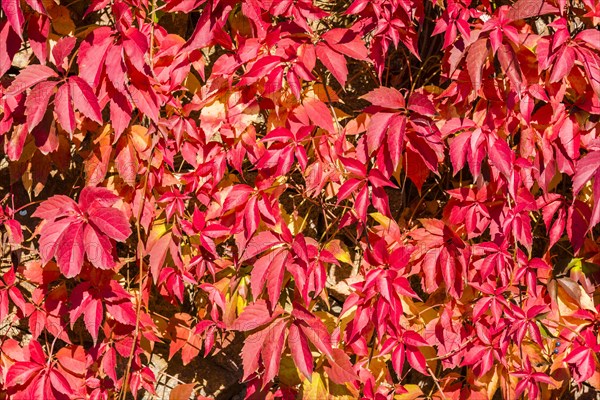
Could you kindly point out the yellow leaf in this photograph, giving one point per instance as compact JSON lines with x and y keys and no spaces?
{"x":314,"y":389}
{"x":288,"y":373}
{"x":342,"y":392}
{"x":139,"y":138}
{"x":488,"y":384}
{"x":569,"y":296}
{"x":414,"y":392}
{"x":382,"y":219}
{"x":339,"y":251}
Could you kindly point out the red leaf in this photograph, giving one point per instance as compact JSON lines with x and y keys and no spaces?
{"x":38,"y":29}
{"x":251,"y":353}
{"x":346,"y":42}
{"x":587,"y":167}
{"x":319,"y":114}
{"x":14,"y":230}
{"x":300,"y":350}
{"x":120,"y":112}
{"x":111,"y":222}
{"x":260,"y":69}
{"x":238,"y":195}
{"x":476,"y":57}
{"x":92,"y":317}
{"x":334,"y":62}
{"x":314,"y":329}
{"x":98,"y":248}
{"x":21,"y":372}
{"x":136,"y":46}
{"x":37,"y":102}
{"x":377,"y":128}
{"x":272,"y":349}
{"x":109,"y":363}
{"x":145,"y":100}
{"x":96,"y":196}
{"x":64,"y":108}
{"x":12,"y":10}
{"x":59,"y":382}
{"x":421,"y":104}
{"x":510,"y":65}
{"x":50,"y":236}
{"x":254,"y":315}
{"x":395,"y":138}
{"x":274,"y":276}
{"x":578,"y":218}
{"x":563,"y":65}
{"x":70,"y":249}
{"x":92,"y":53}
{"x":84,"y":99}
{"x":341,"y":370}
{"x":584,"y":363}
{"x":502,"y":157}
{"x":417,"y":360}
{"x":523,"y":9}
{"x":63,"y":49}
{"x":10,"y":47}
{"x":259,"y":243}
{"x":348,"y":188}
{"x":385,"y":97}
{"x":122,"y":311}
{"x":30,"y":76}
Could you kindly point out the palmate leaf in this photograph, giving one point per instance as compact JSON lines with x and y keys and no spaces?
{"x":73,"y":230}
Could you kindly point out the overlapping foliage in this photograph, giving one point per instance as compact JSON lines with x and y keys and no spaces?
{"x":385,"y":199}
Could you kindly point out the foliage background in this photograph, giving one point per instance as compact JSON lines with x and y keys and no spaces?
{"x":374,"y":199}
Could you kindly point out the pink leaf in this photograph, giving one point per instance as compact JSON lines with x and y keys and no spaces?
{"x":476,"y":57}
{"x":92,"y":317}
{"x":98,"y":248}
{"x":377,"y":128}
{"x":385,"y":97}
{"x":587,"y":167}
{"x":272,"y":349}
{"x":319,"y":114}
{"x":10,"y":47}
{"x":12,"y":10}
{"x":111,"y":222}
{"x":84,"y":99}
{"x":50,"y":236}
{"x":30,"y":76}
{"x":122,"y":311}
{"x":96,"y":196}
{"x":64,"y":108}
{"x":348,"y":188}
{"x":254,"y":315}
{"x":341,"y":370}
{"x":59,"y":382}
{"x":21,"y":372}
{"x":70,"y":250}
{"x":334,"y":62}
{"x":300,"y":350}
{"x":346,"y":42}
{"x":62,"y":49}
{"x":37,"y":102}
